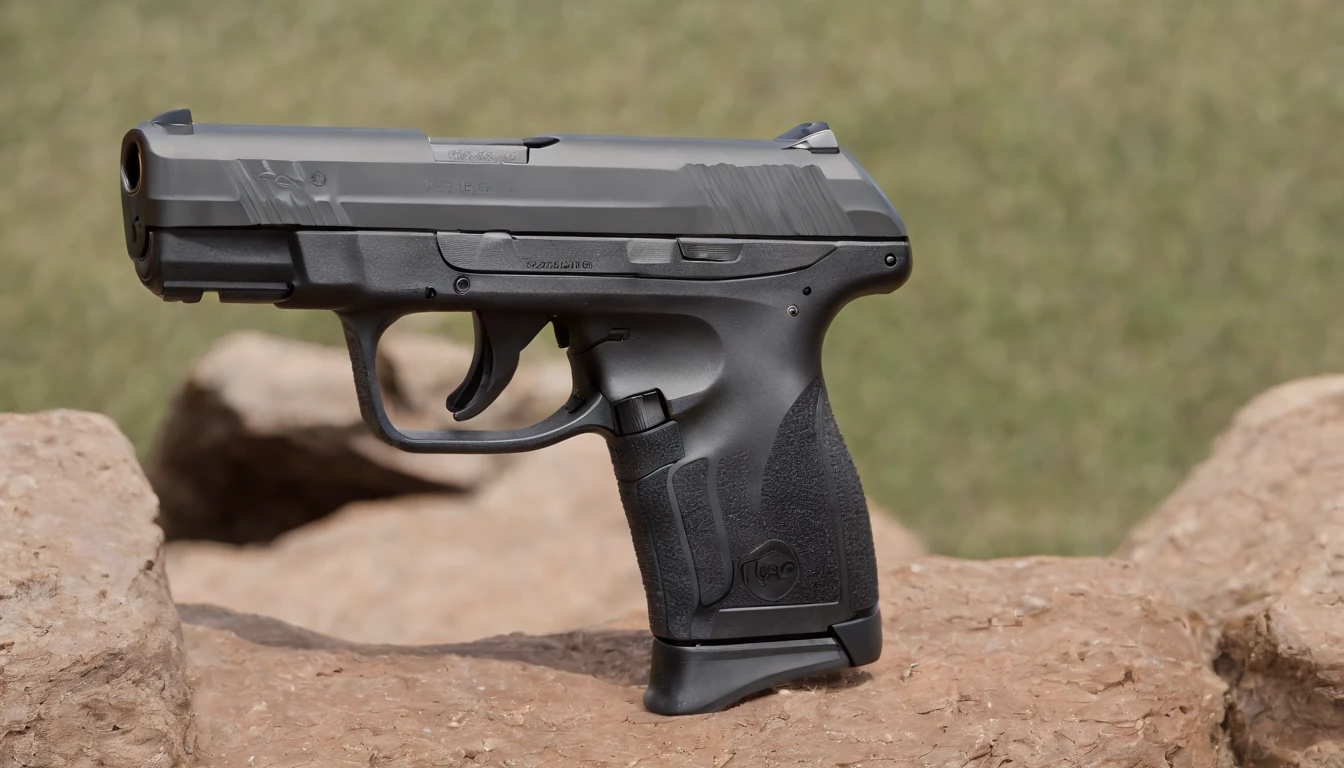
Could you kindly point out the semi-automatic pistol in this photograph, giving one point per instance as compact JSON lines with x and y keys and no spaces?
{"x":691,"y":282}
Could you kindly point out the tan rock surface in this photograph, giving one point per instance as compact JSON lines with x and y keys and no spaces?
{"x":265,"y":433}
{"x":1037,"y":662}
{"x":91,"y":670}
{"x":1234,"y":531}
{"x":1254,"y":542}
{"x":543,"y":548}
{"x":1285,"y":660}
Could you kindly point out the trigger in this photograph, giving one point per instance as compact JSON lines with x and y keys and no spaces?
{"x":500,"y":339}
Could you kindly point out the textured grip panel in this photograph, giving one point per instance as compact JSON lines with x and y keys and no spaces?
{"x":635,"y":456}
{"x":737,"y":501}
{"x":706,"y":539}
{"x":669,"y":584}
{"x":766,"y":526}
{"x":852,"y":509}
{"x":796,"y":507}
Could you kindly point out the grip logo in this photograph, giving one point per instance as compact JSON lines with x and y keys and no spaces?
{"x":771,"y":570}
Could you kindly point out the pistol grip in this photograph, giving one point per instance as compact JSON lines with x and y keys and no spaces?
{"x":757,"y":562}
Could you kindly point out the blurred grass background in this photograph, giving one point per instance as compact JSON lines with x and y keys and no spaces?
{"x":1127,"y":216}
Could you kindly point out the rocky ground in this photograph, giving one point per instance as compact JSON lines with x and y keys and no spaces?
{"x":1253,"y":542}
{"x":372,"y":626}
{"x":92,"y":664}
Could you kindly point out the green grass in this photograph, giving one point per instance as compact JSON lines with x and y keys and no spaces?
{"x":1127,"y":216}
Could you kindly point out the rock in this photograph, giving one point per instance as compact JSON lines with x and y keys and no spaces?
{"x":265,"y":434}
{"x":1020,"y":662}
{"x":91,"y":669}
{"x":1284,"y":659}
{"x":542,"y":548}
{"x":1236,"y":530}
{"x":1253,"y":541}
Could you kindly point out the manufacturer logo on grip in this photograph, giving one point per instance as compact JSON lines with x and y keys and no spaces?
{"x":771,"y":570}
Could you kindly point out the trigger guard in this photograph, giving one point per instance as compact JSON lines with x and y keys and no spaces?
{"x":363,"y":330}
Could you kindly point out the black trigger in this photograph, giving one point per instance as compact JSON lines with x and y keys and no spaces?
{"x":500,"y":339}
{"x":482,"y":363}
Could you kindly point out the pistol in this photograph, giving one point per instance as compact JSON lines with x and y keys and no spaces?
{"x":691,"y":283}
